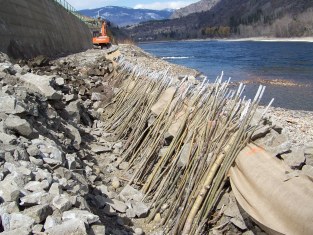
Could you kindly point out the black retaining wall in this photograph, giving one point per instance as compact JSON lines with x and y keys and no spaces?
{"x":40,"y":27}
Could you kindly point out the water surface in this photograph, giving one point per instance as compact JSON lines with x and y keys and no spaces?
{"x":253,"y":61}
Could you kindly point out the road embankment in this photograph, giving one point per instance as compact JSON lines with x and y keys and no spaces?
{"x":31,"y":28}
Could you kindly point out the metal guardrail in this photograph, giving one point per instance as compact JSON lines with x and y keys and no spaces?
{"x":71,"y":9}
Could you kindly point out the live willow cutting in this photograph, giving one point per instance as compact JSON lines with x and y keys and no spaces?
{"x":182,"y":136}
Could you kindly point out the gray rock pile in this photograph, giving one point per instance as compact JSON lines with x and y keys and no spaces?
{"x":51,"y":141}
{"x":278,"y":139}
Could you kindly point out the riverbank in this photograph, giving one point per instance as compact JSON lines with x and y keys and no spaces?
{"x":298,"y":122}
{"x":270,"y":39}
{"x":249,"y":39}
{"x":64,"y":142}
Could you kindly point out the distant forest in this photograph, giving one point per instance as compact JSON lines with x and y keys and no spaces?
{"x":234,"y":18}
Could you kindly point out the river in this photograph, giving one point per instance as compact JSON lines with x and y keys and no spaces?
{"x":285,"y":67}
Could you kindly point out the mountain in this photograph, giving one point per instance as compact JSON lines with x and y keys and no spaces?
{"x":123,"y":16}
{"x":234,"y":18}
{"x":203,"y":5}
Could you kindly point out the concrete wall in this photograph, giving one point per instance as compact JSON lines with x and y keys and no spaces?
{"x":32,"y":27}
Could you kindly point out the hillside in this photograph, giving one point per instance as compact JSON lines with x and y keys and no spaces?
{"x":123,"y":16}
{"x":234,"y":18}
{"x":203,"y":5}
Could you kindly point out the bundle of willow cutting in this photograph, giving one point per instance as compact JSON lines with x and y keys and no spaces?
{"x":181,"y":141}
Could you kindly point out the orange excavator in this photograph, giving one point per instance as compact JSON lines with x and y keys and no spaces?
{"x":101,"y":38}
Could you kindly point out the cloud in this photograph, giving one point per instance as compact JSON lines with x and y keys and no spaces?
{"x":164,"y":5}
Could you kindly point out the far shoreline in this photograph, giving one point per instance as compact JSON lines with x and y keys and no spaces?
{"x":250,"y":39}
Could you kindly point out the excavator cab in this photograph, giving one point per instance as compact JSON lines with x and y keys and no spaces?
{"x":101,"y":38}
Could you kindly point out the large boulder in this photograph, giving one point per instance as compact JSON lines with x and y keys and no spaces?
{"x":85,"y":216}
{"x":9,"y":105}
{"x":17,"y":221}
{"x":9,"y":190}
{"x":41,"y":84}
{"x":73,"y":111}
{"x":73,"y":226}
{"x":38,"y":213}
{"x":18,"y":125}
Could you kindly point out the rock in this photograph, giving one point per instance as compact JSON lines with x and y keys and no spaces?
{"x":38,"y":213}
{"x":103,"y":189}
{"x":239,"y":223}
{"x":249,"y":232}
{"x":36,"y":186}
{"x":7,"y":139}
{"x":42,"y":175}
{"x":59,"y":81}
{"x":295,"y":159}
{"x":129,"y":193}
{"x":33,"y":151}
{"x":308,"y":170}
{"x":16,"y":221}
{"x":37,"y":162}
{"x":41,"y":84}
{"x":275,"y":143}
{"x":118,"y":205}
{"x":50,"y":161}
{"x":101,"y":201}
{"x":232,"y":211}
{"x":39,"y":61}
{"x":4,"y":57}
{"x":140,"y":209}
{"x":17,"y":170}
{"x":308,"y":153}
{"x":37,"y":229}
{"x":100,"y":148}
{"x":21,"y":155}
{"x":73,"y":226}
{"x":73,"y":111}
{"x":83,"y":215}
{"x":115,"y":183}
{"x":9,"y":190}
{"x":123,"y":165}
{"x":95,"y":96}
{"x":139,"y":231}
{"x":62,"y":202}
{"x":35,"y":198}
{"x":55,"y":189}
{"x":75,"y":136}
{"x":130,"y":213}
{"x":8,"y":208}
{"x":56,"y":154}
{"x":69,"y":98}
{"x":261,"y":132}
{"x":72,"y":162}
{"x":62,"y":172}
{"x":51,"y":221}
{"x":18,"y":125}
{"x":97,"y":229}
{"x":10,"y":70}
{"x":19,"y":231}
{"x":9,"y":105}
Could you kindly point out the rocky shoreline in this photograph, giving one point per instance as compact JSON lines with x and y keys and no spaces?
{"x":59,"y":169}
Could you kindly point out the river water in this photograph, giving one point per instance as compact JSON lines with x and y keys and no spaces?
{"x":289,"y":63}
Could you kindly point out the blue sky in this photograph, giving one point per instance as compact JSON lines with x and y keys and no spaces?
{"x":150,"y":4}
